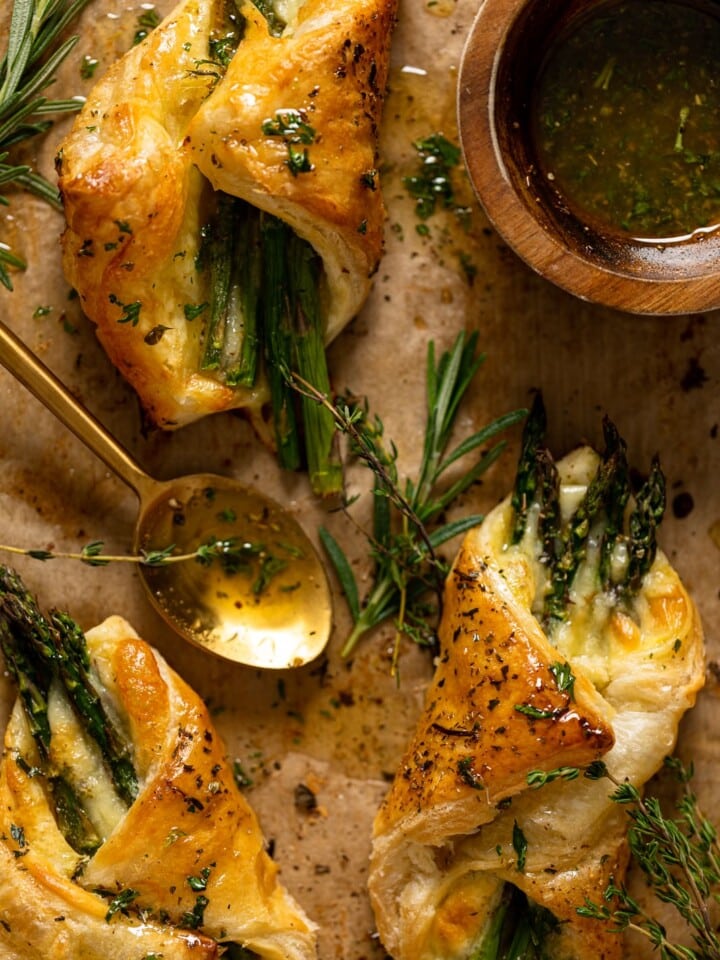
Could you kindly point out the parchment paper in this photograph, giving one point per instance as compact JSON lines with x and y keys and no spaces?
{"x":338,"y":726}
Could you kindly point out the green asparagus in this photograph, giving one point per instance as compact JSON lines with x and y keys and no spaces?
{"x":603,"y":510}
{"x":40,"y":651}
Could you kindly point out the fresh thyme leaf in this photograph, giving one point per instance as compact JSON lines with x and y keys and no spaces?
{"x":35,"y":49}
{"x":540,"y":778}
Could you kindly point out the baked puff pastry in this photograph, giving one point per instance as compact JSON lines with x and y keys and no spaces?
{"x":566,"y":637}
{"x":179,"y":871}
{"x":222,"y":101}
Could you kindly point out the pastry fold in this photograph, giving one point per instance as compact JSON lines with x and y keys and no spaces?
{"x":185,"y":865}
{"x":461,"y":829}
{"x":289,"y":124}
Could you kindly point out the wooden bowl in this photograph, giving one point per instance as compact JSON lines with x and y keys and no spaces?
{"x":500,"y":63}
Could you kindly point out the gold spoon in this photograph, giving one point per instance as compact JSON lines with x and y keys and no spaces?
{"x":274,"y":611}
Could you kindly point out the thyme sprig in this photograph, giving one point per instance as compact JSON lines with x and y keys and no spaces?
{"x":678,"y":855}
{"x":408,"y":513}
{"x":36,"y":47}
{"x":233,"y":553}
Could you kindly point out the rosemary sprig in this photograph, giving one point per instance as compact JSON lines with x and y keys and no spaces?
{"x":35,"y":50}
{"x":408,"y":525}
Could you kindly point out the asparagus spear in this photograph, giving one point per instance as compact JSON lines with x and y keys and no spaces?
{"x":601,"y":489}
{"x":324,"y":466}
{"x":518,"y":929}
{"x":217,"y":238}
{"x":39,"y":651}
{"x":278,"y":340}
{"x":231,"y":253}
{"x":615,"y":504}
{"x":606,"y":498}
{"x":526,"y":480}
{"x":643,"y":524}
{"x":275,"y":22}
{"x":27,"y":648}
{"x":74,"y":668}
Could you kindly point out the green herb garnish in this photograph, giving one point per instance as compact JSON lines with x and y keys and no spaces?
{"x":36,"y":46}
{"x":433,"y":184}
{"x":407,"y":525}
{"x":146,"y":23}
{"x":293,"y":128}
{"x":678,"y":855}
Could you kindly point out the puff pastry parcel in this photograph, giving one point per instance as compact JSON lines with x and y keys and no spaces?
{"x":525,"y":684}
{"x":219,"y":102}
{"x":178,"y":870}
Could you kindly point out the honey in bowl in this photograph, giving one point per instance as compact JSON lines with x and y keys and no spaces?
{"x":626,"y":117}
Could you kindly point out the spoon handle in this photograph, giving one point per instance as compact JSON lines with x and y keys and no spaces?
{"x":45,"y":386}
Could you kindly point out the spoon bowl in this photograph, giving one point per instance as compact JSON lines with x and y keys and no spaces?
{"x":262,"y":599}
{"x":228,"y":568}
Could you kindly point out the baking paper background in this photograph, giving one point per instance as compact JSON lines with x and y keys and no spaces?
{"x":338,"y":726}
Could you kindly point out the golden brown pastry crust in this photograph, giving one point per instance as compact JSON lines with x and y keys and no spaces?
{"x":443,"y":838}
{"x":135,"y":200}
{"x":189,"y":820}
{"x":472,"y":748}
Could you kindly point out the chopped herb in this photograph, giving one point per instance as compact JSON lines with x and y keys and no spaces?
{"x":200,"y":882}
{"x":292,"y":127}
{"x":369,"y":179}
{"x":192,"y":310}
{"x":131,"y":311}
{"x":520,"y":846}
{"x":18,"y":835}
{"x":564,"y":677}
{"x":88,"y":66}
{"x":242,"y":780}
{"x":535,"y":713}
{"x":41,"y":312}
{"x":194,"y":918}
{"x":433,"y":184}
{"x":119,"y":902}
{"x":146,"y":23}
{"x":468,"y":775}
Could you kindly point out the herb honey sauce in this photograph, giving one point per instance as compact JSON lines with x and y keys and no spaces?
{"x":626,"y":117}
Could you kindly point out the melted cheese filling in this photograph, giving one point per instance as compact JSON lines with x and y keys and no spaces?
{"x":79,"y":757}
